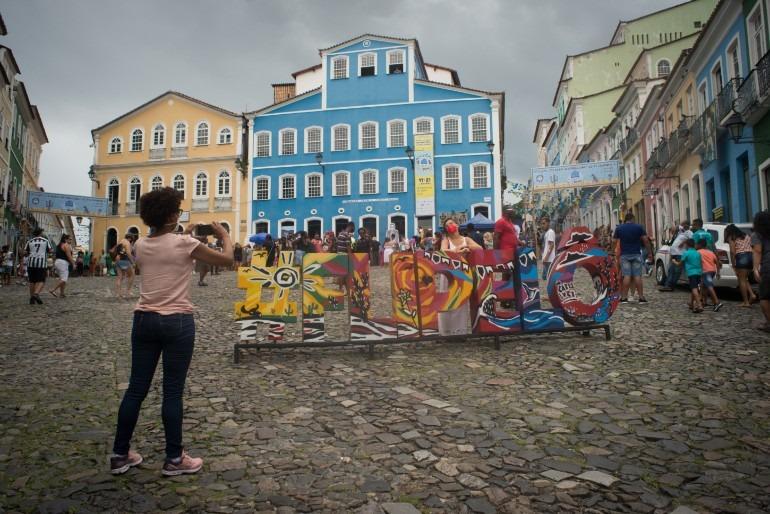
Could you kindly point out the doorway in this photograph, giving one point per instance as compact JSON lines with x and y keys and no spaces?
{"x":340,"y":224}
{"x":112,"y":238}
{"x":370,"y":224}
{"x":314,"y":227}
{"x":711,"y":198}
{"x":481,"y":209}
{"x":113,"y":194}
{"x":399,"y":220}
{"x":425,"y":222}
{"x":747,"y":211}
{"x":727,"y":196}
{"x":261,"y":227}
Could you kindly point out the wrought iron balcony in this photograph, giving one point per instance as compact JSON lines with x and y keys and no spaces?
{"x":630,"y":140}
{"x":132,"y":207}
{"x":726,"y":97}
{"x":113,"y":208}
{"x":753,"y":99}
{"x":696,"y":133}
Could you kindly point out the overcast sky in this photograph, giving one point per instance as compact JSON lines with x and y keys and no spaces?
{"x":85,"y":62}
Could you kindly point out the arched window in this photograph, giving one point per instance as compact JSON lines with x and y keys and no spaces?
{"x":368,"y":182}
{"x":479,"y":131}
{"x":137,"y":140}
{"x":664,"y":68}
{"x":367,"y":135}
{"x":116,"y":145}
{"x":313,"y":140}
{"x":262,"y":188}
{"x":223,"y":183}
{"x":450,"y":130}
{"x":201,"y":185}
{"x":178,"y":183}
{"x":159,"y":136}
{"x":262,"y":143}
{"x":225,"y":136}
{"x":396,"y":133}
{"x":202,"y":134}
{"x":451,"y":176}
{"x":156,"y":183}
{"x":287,"y":141}
{"x":180,"y":134}
{"x":313,"y":185}
{"x":340,"y":138}
{"x":134,"y":189}
{"x":423,"y":125}
{"x":341,"y":181}
{"x":287,"y":189}
{"x":397,"y":180}
{"x":480,"y":175}
{"x":367,"y":64}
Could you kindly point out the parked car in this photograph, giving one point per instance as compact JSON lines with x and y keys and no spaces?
{"x":727,"y":274}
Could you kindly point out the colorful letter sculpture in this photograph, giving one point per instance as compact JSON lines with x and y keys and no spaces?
{"x":433,"y":294}
{"x":579,"y":248}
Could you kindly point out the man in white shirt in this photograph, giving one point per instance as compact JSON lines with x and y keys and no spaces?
{"x":549,"y":245}
{"x":677,"y":248}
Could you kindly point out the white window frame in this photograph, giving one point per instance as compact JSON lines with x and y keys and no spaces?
{"x":755,"y":54}
{"x":255,"y":189}
{"x":459,"y":176}
{"x":331,"y":67}
{"x":459,"y":129}
{"x":307,"y":184}
{"x":334,"y":182}
{"x":486,"y":165}
{"x":390,"y":179}
{"x":734,"y":42}
{"x":390,"y":131}
{"x":269,"y":143}
{"x":334,"y":139}
{"x":361,"y":135}
{"x":488,"y":135}
{"x":112,"y":143}
{"x":257,"y":222}
{"x":313,"y":218}
{"x":229,"y":193}
{"x":184,"y":183}
{"x":280,"y":186}
{"x":152,"y":182}
{"x":361,"y":181}
{"x":186,"y":130}
{"x":280,"y":141}
{"x":306,"y":139}
{"x":376,"y":223}
{"x":221,"y":133}
{"x":406,"y":222}
{"x":130,"y":183}
{"x":281,"y":222}
{"x":195,"y":184}
{"x":131,"y":140}
{"x":208,"y":133}
{"x":403,"y":60}
{"x":481,"y":204}
{"x":657,"y":68}
{"x":360,"y":61}
{"x":155,"y":130}
{"x":702,"y":98}
{"x":714,"y":92}
{"x":421,"y":118}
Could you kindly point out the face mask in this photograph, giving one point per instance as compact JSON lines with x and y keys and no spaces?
{"x":451,"y":228}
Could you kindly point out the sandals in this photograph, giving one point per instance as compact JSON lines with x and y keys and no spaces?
{"x":54,"y":294}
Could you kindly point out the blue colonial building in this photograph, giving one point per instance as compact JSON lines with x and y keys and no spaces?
{"x":338,"y":144}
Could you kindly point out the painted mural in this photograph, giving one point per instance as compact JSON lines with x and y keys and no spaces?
{"x":433,"y":293}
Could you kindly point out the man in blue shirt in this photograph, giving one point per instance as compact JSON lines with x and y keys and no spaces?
{"x":631,"y":236}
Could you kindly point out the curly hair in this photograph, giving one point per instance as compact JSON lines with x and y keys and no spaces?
{"x":762,"y":224}
{"x":157,"y":207}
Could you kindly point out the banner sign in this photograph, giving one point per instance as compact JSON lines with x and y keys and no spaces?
{"x":486,"y":292}
{"x":650,"y":191}
{"x":424,"y":186}
{"x":586,"y":174}
{"x":70,"y":205}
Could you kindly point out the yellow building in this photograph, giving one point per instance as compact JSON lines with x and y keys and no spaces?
{"x":172,"y":140}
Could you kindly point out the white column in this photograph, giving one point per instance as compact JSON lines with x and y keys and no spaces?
{"x":497,"y":195}
{"x":411,"y":71}
{"x":250,"y":153}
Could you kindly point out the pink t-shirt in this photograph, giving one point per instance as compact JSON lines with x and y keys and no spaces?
{"x":166,"y":265}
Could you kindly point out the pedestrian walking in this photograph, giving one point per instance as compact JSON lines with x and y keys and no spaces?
{"x":36,"y":268}
{"x":549,"y":246}
{"x":630,"y":237}
{"x":62,"y":265}
{"x":122,"y":254}
{"x":6,"y":265}
{"x":163,"y":325}
{"x":741,"y":257}
{"x":693,"y":267}
{"x":761,"y":262}
{"x":711,"y":266}
{"x":676,"y":249}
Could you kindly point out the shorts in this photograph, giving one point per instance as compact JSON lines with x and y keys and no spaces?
{"x":694,"y":281}
{"x":546,"y":269}
{"x":62,"y":269}
{"x":708,"y":279}
{"x":743,"y":260}
{"x":37,"y":275}
{"x":123,"y":264}
{"x":764,"y":286}
{"x":4,"y":270}
{"x":631,"y":265}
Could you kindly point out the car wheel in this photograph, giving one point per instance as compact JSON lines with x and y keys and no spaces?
{"x":660,"y":273}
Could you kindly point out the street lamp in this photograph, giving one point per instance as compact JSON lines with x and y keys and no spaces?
{"x":735,"y":126}
{"x":491,"y":147}
{"x":319,"y":159}
{"x":409,"y":151}
{"x":79,"y":219}
{"x":92,"y":176}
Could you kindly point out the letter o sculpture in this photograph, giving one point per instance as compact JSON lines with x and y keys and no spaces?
{"x":579,"y":248}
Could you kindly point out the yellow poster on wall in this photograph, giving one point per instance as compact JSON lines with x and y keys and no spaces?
{"x":424,"y":185}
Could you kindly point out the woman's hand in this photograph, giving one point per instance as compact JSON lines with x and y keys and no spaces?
{"x":190,"y":228}
{"x":219,"y":231}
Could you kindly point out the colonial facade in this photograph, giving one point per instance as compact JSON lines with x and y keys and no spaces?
{"x":338,"y":144}
{"x":172,"y":140}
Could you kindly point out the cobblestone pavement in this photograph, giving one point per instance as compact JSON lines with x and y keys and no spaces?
{"x":671,"y":415}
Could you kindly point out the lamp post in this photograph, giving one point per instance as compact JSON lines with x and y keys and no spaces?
{"x":735,"y":126}
{"x":92,"y":176}
{"x":319,"y":159}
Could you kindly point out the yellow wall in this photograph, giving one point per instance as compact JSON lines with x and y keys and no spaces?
{"x":212,"y":158}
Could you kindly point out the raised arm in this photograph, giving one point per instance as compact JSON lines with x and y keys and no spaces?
{"x":214,"y":257}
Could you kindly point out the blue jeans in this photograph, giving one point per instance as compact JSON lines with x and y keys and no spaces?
{"x":154,"y":334}
{"x":674,"y":272}
{"x":631,"y":265}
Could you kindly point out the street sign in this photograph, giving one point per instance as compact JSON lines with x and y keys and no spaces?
{"x":585,"y":174}
{"x":650,"y":191}
{"x":71,"y":205}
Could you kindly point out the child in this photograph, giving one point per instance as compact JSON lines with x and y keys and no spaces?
{"x":691,"y":260}
{"x":710,"y":265}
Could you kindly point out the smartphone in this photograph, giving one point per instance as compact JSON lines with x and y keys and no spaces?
{"x":204,"y":230}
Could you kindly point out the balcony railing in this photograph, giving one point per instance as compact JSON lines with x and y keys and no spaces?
{"x":696,"y":134}
{"x":753,"y":98}
{"x":113,"y":208}
{"x":726,"y":98}
{"x":631,"y":138}
{"x":200,"y":204}
{"x":222,"y":204}
{"x":157,"y":153}
{"x":132,"y":207}
{"x":179,"y":152}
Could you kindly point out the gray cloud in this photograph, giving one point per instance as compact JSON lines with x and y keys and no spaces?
{"x":85,"y":62}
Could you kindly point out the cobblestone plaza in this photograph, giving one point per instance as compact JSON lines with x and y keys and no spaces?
{"x":671,"y":415}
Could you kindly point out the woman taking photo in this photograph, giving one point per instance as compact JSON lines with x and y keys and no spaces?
{"x":163,"y":325}
{"x":62,"y":265}
{"x":740,"y":256}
